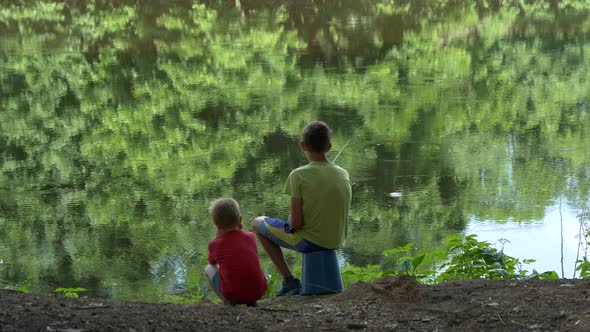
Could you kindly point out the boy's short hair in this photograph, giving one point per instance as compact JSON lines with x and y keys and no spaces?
{"x":225,"y":212}
{"x":316,"y":136}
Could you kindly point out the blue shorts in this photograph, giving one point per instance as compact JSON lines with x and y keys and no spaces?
{"x":215,"y":282}
{"x":281,"y":234}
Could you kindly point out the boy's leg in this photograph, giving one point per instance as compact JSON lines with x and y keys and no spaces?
{"x":274,"y":234}
{"x":212,"y":277}
{"x":272,"y":250}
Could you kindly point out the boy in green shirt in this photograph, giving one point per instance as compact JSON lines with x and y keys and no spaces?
{"x":320,"y":199}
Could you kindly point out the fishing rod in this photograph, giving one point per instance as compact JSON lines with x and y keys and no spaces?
{"x":339,"y":152}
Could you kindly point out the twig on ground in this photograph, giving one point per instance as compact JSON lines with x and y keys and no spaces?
{"x":274,"y":309}
{"x":87,"y":307}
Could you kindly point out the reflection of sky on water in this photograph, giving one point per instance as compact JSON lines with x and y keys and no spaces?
{"x":171,"y":269}
{"x":539,"y":240}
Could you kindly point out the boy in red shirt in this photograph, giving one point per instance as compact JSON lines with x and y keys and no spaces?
{"x":234,"y":272}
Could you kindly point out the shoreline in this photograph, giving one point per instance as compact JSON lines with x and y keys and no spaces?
{"x":391,"y":303}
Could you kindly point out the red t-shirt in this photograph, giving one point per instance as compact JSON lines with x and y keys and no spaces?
{"x":240,"y":277}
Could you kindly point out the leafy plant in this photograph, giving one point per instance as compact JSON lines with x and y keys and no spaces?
{"x":399,"y":260}
{"x":473,"y":259}
{"x":352,"y":274}
{"x":464,"y":257}
{"x":273,"y":282}
{"x":547,"y":275}
{"x":70,"y":292}
{"x":24,"y":287}
{"x":583,"y":266}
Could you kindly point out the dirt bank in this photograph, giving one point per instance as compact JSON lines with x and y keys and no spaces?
{"x":393,"y":303}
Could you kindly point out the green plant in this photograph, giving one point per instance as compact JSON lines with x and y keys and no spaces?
{"x":583,"y":266}
{"x":547,"y":275}
{"x":25,"y":285}
{"x":352,"y":274}
{"x":70,"y":292}
{"x":399,"y":260}
{"x":464,"y":257}
{"x":273,"y":282}
{"x":473,"y":259}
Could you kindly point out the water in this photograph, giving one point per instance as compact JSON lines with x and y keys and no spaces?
{"x":119,"y":124}
{"x":539,"y":239}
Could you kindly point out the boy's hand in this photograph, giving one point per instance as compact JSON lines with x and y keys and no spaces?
{"x":288,"y":228}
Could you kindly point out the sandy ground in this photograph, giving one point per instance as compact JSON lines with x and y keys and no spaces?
{"x":392,"y":303}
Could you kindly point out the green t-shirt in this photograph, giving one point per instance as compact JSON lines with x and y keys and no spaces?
{"x":325,"y":192}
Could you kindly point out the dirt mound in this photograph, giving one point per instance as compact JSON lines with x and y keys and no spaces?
{"x":402,"y":289}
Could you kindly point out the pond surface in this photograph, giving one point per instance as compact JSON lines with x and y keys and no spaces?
{"x":120,"y":124}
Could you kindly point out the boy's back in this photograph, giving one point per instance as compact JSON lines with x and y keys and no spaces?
{"x":241,"y":278}
{"x":325,"y":191}
{"x":320,"y":199}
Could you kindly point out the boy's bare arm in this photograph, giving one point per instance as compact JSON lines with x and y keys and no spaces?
{"x":296,"y":217}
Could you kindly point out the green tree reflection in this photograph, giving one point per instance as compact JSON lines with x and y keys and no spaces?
{"x":120,"y":123}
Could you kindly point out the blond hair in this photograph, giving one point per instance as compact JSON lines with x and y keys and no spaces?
{"x":225,"y":212}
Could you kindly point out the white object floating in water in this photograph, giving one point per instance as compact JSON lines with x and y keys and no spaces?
{"x":395,"y":194}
